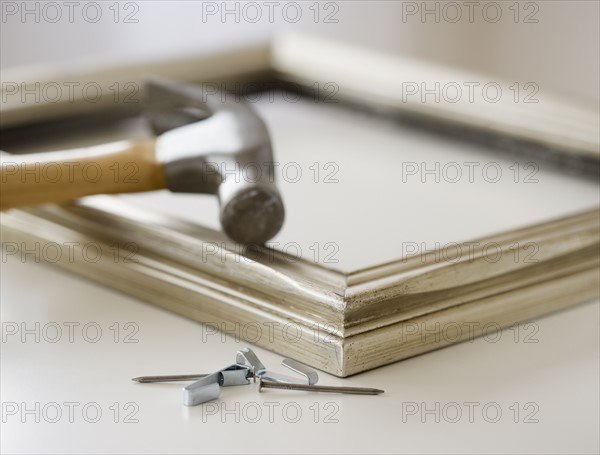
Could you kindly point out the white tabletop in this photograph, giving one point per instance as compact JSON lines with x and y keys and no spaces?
{"x":541,"y":377}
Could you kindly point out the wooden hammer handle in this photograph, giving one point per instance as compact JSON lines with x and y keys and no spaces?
{"x":119,"y":167}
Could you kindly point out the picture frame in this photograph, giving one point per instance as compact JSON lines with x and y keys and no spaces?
{"x":340,"y":321}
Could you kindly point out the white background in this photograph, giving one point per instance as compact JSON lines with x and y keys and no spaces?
{"x":559,"y":52}
{"x":556,"y":377}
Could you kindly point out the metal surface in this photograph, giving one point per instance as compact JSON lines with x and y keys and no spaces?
{"x":247,"y":357}
{"x":311,"y":375}
{"x":206,"y":389}
{"x":248,"y":365}
{"x":216,"y":145}
{"x":209,"y":387}
{"x":264,"y":384}
{"x":281,"y":378}
{"x":235,"y":375}
{"x":169,"y":378}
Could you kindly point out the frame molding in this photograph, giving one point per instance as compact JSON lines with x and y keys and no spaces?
{"x":342,"y":323}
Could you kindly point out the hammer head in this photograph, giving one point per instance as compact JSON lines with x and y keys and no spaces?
{"x":215,"y":146}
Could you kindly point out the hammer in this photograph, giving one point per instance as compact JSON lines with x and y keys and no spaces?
{"x":203,"y":145}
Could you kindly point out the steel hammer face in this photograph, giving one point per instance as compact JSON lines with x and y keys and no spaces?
{"x":222,"y":148}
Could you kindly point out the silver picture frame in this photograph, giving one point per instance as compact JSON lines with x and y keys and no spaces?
{"x":339,"y":321}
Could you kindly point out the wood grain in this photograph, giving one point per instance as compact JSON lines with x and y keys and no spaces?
{"x":120,"y":167}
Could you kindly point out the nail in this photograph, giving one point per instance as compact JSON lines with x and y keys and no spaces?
{"x":318,"y":388}
{"x":171,"y":378}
